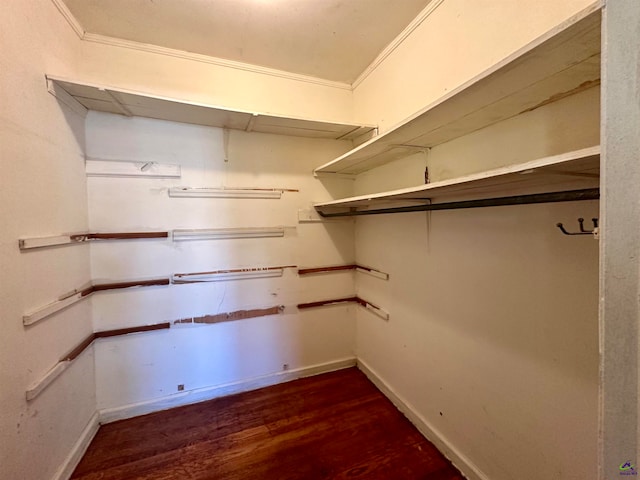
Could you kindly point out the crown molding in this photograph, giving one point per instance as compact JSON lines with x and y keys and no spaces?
{"x":396,"y":42}
{"x":221,"y":62}
{"x":196,"y":57}
{"x":70,"y":18}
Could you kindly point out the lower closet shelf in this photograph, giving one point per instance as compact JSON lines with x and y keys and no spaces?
{"x":571,"y":176}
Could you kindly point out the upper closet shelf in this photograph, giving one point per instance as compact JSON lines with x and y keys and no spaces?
{"x":562,"y":62}
{"x":575,"y":170}
{"x":82,"y":97}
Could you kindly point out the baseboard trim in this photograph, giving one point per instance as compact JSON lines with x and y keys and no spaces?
{"x":79,"y":449}
{"x":208,"y":393}
{"x":459,"y":460}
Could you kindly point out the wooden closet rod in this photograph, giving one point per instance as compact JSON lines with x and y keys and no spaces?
{"x":323,"y":303}
{"x":360,"y":301}
{"x":125,"y":235}
{"x":337,"y":268}
{"x":553,"y":197}
{"x":101,"y":287}
{"x":82,"y":346}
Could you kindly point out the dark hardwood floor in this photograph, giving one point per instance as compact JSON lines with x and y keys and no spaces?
{"x":331,"y":426}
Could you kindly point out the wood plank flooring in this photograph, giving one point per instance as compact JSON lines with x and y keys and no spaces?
{"x":331,"y":426}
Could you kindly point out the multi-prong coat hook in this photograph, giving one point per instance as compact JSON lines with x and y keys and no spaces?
{"x":582,"y":231}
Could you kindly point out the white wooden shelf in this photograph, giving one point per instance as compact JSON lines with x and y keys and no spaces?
{"x":38,"y":387}
{"x":562,"y":62}
{"x":575,"y":170}
{"x":81,"y":97}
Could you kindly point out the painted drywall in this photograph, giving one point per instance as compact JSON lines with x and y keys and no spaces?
{"x":149,"y":366}
{"x":43,"y":192}
{"x":492,"y":339}
{"x":619,"y":255}
{"x":199,"y":81}
{"x":493,"y":311}
{"x":457,"y":41}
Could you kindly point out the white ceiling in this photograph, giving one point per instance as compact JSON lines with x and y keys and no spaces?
{"x":330,"y":39}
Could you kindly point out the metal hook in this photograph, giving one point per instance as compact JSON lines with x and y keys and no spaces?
{"x":595,"y":225}
{"x":581,"y":223}
{"x":582,"y":231}
{"x":563,"y":230}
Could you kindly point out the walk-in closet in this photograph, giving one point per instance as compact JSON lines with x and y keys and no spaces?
{"x":444,"y":204}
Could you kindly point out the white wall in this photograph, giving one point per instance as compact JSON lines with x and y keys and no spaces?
{"x":193,"y":80}
{"x":43,"y":192}
{"x":492,"y":339}
{"x":149,"y":366}
{"x":493,"y":311}
{"x":457,"y":41}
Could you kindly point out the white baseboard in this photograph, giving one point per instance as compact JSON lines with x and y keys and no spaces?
{"x":459,"y":460}
{"x":202,"y":394}
{"x":79,"y":449}
{"x":464,"y":464}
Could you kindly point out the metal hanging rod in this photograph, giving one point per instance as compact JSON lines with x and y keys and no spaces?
{"x":553,"y":197}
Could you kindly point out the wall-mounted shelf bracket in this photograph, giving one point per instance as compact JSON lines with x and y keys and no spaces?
{"x":131,"y":169}
{"x":373,"y":272}
{"x":417,"y":148}
{"x":38,"y":387}
{"x":344,"y":176}
{"x":83,"y":292}
{"x":338,"y":268}
{"x":376,"y":310}
{"x":383,"y":314}
{"x":232,"y":316}
{"x":76,"y":238}
{"x":224,"y":275}
{"x":192,"y":192}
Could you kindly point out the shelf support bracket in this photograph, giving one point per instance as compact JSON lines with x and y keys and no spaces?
{"x":118,"y":104}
